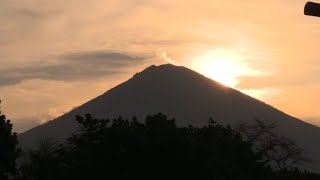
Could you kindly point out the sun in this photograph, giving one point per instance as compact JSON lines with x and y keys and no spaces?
{"x":224,"y":66}
{"x":227,"y":67}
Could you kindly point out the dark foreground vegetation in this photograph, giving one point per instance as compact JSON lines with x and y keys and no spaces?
{"x":153,"y":149}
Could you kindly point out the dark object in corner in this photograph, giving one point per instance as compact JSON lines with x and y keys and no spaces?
{"x":312,"y":9}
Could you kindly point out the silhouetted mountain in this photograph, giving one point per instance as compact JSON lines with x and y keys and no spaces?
{"x":187,"y":96}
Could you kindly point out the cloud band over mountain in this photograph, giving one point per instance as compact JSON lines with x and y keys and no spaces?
{"x":72,"y":66}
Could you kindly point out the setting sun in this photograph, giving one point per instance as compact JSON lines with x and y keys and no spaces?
{"x":224,"y":66}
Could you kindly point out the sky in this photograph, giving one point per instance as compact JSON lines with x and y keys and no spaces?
{"x":56,"y":55}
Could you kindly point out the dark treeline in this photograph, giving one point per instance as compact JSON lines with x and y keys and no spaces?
{"x":8,"y":148}
{"x":153,"y":149}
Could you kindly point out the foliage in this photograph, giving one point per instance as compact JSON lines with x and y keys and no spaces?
{"x":153,"y":149}
{"x":43,"y":162}
{"x":8,"y":148}
{"x":280,"y":152}
{"x":158,"y":149}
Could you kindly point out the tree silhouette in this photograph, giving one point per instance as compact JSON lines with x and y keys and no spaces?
{"x":155,"y":149}
{"x":280,"y":152}
{"x":8,"y":148}
{"x":158,"y":149}
{"x":43,"y":162}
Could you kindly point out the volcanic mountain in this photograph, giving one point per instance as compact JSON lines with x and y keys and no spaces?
{"x":187,"y":96}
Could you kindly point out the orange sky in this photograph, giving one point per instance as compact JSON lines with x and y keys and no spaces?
{"x":49,"y":48}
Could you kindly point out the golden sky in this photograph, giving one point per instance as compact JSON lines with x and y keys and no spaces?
{"x":55,"y":55}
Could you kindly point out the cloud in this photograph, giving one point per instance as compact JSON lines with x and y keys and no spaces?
{"x":22,"y":124}
{"x":279,"y":80}
{"x":97,"y":57}
{"x":313,"y":120}
{"x":72,"y":66}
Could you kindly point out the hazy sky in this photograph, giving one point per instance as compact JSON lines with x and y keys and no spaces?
{"x":55,"y":55}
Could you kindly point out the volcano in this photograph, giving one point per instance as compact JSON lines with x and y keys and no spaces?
{"x":187,"y":96}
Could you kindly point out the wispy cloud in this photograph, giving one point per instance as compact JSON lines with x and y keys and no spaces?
{"x":72,"y":66}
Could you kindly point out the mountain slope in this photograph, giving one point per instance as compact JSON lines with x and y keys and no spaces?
{"x":189,"y":97}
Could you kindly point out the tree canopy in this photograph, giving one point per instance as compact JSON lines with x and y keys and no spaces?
{"x":152,"y":149}
{"x":8,"y":148}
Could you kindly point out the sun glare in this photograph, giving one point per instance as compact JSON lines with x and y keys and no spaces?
{"x":224,"y":66}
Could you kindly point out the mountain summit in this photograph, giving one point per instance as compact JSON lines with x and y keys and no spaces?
{"x":187,"y":96}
